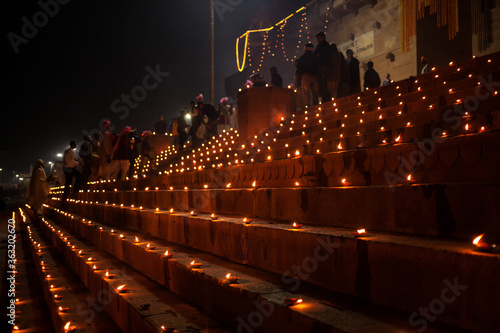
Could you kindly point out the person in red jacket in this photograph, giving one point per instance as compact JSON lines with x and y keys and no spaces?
{"x":121,"y":155}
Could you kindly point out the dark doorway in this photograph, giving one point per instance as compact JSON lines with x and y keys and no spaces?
{"x":433,"y":42}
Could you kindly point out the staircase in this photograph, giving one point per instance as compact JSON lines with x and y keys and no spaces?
{"x":416,"y":164}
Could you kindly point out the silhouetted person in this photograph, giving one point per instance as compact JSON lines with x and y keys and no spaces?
{"x":355,"y":79}
{"x":371,"y":79}
{"x":276,"y":79}
{"x":322,"y":55}
{"x":161,"y":126}
{"x":39,"y":188}
{"x":387,"y":80}
{"x":70,"y":171}
{"x":425,"y":62}
{"x":334,"y":72}
{"x":345,"y":77}
{"x":121,"y":149}
{"x":307,"y":69}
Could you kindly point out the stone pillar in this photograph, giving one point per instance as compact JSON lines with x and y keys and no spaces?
{"x":262,"y":107}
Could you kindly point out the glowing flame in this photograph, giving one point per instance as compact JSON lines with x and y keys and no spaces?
{"x":340,"y":145}
{"x":228,"y":185}
{"x":466,"y":127}
{"x":66,"y":327}
{"x":478,"y":239}
{"x":228,"y":275}
{"x":136,"y":239}
{"x":361,"y":231}
{"x":409,"y":177}
{"x":297,"y":152}
{"x":157,"y":209}
{"x":299,"y":300}
{"x":192,"y":262}
{"x":121,"y":287}
{"x":398,"y":138}
{"x":254,"y":183}
{"x":344,"y":181}
{"x":107,"y":273}
{"x":94,"y":267}
{"x":166,"y":253}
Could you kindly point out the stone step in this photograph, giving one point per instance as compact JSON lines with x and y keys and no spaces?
{"x":433,"y":210}
{"x":257,"y":301}
{"x":393,"y":270}
{"x":65,"y":297}
{"x":143,"y":307}
{"x":22,"y":294}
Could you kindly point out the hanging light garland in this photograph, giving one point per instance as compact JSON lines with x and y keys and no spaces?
{"x":246,"y":35}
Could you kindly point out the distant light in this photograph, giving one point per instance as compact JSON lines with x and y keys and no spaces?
{"x":188,"y":116}
{"x":59,"y":155}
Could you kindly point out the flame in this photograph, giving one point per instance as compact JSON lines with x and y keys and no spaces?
{"x":228,"y":275}
{"x":297,"y":152}
{"x":60,"y":308}
{"x":228,"y":185}
{"x":107,"y":273}
{"x":409,"y":177}
{"x":171,"y":210}
{"x":361,"y":231}
{"x":136,"y":239}
{"x":192,"y":262}
{"x":466,"y":127}
{"x":340,"y":145}
{"x":166,"y":253}
{"x":157,"y":209}
{"x":66,"y":327}
{"x":299,"y":300}
{"x":344,"y":180}
{"x":121,"y":287}
{"x":478,"y":239}
{"x":254,"y":183}
{"x":398,"y":138}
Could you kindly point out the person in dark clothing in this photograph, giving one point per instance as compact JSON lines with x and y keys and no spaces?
{"x":147,"y":151}
{"x":161,"y":126}
{"x":70,"y":171}
{"x":306,"y":69}
{"x":209,"y":111}
{"x":257,"y":80}
{"x":276,"y":79}
{"x":334,"y":73}
{"x":371,"y":79}
{"x":355,"y":80}
{"x":345,"y":77}
{"x":133,"y":152}
{"x":322,"y":54}
{"x":182,"y":129}
{"x":85,"y":155}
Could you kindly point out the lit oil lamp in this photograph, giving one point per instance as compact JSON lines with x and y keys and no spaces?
{"x":231,"y":278}
{"x":247,"y":220}
{"x":167,"y":255}
{"x":122,"y":289}
{"x":122,"y":236}
{"x":157,"y":210}
{"x":90,"y":259}
{"x":150,"y":247}
{"x":61,"y":309}
{"x":481,"y":245}
{"x":254,"y":184}
{"x":109,"y":275}
{"x":214,"y":217}
{"x":57,"y":297}
{"x":95,"y":268}
{"x":170,"y":329}
{"x":193,"y":213}
{"x":68,"y":328}
{"x":195,"y":264}
{"x":293,"y":301}
{"x":359,"y":233}
{"x":171,"y":210}
{"x":136,"y":239}
{"x":296,"y":225}
{"x":410,"y":179}
{"x":345,"y":182}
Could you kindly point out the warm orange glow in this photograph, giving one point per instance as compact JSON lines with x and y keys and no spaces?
{"x":228,"y":185}
{"x":121,"y":288}
{"x":296,"y":225}
{"x":171,"y":210}
{"x":398,"y":138}
{"x":466,"y":127}
{"x":66,"y":327}
{"x":409,"y":177}
{"x":214,"y":217}
{"x":136,"y":240}
{"x":361,"y":231}
{"x":254,"y":184}
{"x":478,"y":239}
{"x":340,"y":145}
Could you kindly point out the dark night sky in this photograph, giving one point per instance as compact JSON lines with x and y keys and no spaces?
{"x":64,"y":80}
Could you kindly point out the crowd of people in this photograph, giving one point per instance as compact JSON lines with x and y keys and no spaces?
{"x":323,"y":73}
{"x":108,"y":155}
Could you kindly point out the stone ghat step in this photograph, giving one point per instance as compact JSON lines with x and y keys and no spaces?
{"x":404,"y":272}
{"x":449,"y":210}
{"x":256,"y":302}
{"x":140,"y":306}
{"x":66,"y":298}
{"x":23,"y":289}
